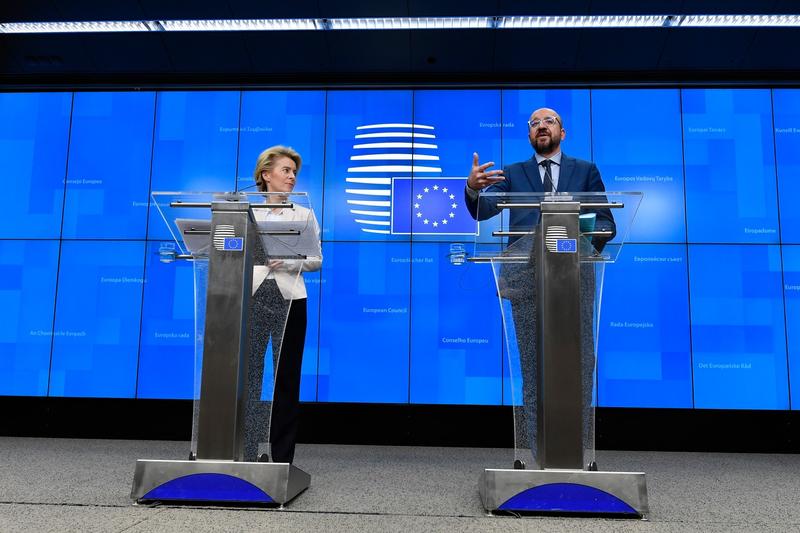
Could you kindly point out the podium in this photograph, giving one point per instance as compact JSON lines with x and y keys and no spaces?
{"x":548,"y":252}
{"x":229,"y":238}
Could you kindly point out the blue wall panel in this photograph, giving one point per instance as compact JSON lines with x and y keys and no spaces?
{"x":195,"y":147}
{"x":791,"y":293}
{"x":455,"y":330}
{"x":98,"y":311}
{"x":645,"y":357}
{"x":730,"y":166}
{"x":738,"y":334}
{"x":108,"y":184}
{"x":358,"y":198}
{"x":364,"y":322}
{"x":786,"y":105}
{"x":714,"y":327}
{"x":27,"y":296}
{"x":34,"y":138}
{"x":647,"y":158}
{"x":434,"y":204}
{"x":166,"y":356}
{"x":291,"y":118}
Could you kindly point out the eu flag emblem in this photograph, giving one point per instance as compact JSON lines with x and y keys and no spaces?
{"x":233,"y":244}
{"x":430,"y":206}
{"x":568,"y":246}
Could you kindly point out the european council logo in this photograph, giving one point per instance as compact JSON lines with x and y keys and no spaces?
{"x":396,"y":185}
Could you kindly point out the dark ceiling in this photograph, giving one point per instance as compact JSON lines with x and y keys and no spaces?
{"x":487,"y":57}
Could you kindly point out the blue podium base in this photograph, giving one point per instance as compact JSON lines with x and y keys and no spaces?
{"x":217,"y":482}
{"x":567,"y":492}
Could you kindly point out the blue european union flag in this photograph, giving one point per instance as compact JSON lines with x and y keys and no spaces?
{"x":430,"y":206}
{"x":233,"y":244}
{"x":569,"y":246}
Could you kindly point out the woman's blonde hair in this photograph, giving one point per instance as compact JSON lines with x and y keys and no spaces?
{"x":267,"y":158}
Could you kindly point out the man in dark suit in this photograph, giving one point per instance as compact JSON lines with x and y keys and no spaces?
{"x":549,"y":171}
{"x":565,"y":174}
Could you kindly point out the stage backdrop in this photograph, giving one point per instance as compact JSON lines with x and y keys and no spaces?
{"x":701,"y":310}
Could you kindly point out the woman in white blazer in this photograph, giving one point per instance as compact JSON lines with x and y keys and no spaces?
{"x":278,"y":288}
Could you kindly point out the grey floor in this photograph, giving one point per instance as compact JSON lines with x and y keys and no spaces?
{"x":64,"y":485}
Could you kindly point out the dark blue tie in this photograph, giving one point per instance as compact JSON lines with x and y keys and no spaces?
{"x":548,"y":176}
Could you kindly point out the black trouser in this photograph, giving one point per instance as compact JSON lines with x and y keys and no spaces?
{"x":278,"y":426}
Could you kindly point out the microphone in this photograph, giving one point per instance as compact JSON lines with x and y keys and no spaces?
{"x":248,"y":187}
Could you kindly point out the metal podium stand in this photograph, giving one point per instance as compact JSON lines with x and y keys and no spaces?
{"x":224,"y":230}
{"x":549,"y":274}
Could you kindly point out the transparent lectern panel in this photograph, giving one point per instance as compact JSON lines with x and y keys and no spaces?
{"x":188,"y":217}
{"x":290,"y":239}
{"x":591,"y":300}
{"x":178,"y":210}
{"x":508,"y":219}
{"x":509,"y":243}
{"x":200,"y":267}
{"x":519,"y":326}
{"x":288,"y":234}
{"x":288,"y":245}
{"x":274,"y":347}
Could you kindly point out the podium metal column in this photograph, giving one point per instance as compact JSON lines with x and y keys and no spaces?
{"x":222,"y":394}
{"x":558,"y":302}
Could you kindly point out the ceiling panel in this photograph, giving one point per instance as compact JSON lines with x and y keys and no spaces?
{"x":455,"y":51}
{"x":733,"y":7}
{"x":137,"y":53}
{"x":32,"y":11}
{"x":620,"y":49}
{"x":287,"y":52}
{"x":767,"y":51}
{"x":535,"y":52}
{"x":705,"y":48}
{"x":183,"y":9}
{"x":454,"y":55}
{"x":99,"y":10}
{"x":785,"y":6}
{"x":48,"y":55}
{"x":359,"y":8}
{"x":268,"y":9}
{"x":543,"y":8}
{"x":10,"y":59}
{"x":216,"y":52}
{"x":453,"y":8}
{"x":636,"y":7}
{"x":369,"y":51}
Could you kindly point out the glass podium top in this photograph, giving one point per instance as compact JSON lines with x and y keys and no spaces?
{"x":285,"y":220}
{"x":507,"y":221}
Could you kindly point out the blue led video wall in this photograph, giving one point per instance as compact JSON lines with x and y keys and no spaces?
{"x":700,"y":310}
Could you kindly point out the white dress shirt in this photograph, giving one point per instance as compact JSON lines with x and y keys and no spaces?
{"x":289,"y":275}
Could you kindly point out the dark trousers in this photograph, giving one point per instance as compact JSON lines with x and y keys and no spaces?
{"x":274,"y":420}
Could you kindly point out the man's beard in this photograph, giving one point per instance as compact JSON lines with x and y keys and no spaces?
{"x":545,"y":144}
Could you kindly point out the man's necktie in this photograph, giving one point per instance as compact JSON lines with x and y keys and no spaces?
{"x":548,"y":176}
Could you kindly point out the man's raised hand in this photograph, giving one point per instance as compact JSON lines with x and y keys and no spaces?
{"x":479,"y":177}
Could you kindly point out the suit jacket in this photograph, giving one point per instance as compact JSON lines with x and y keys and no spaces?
{"x":576,"y":175}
